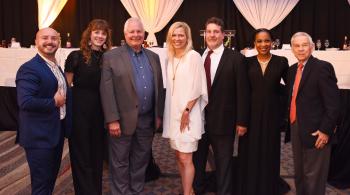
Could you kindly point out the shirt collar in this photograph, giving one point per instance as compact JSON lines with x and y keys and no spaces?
{"x":215,"y":51}
{"x":49,"y":62}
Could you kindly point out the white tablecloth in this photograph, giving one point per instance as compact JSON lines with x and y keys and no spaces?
{"x":339,"y":59}
{"x":12,"y":58}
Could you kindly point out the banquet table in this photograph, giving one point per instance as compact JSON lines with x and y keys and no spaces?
{"x":339,"y":176}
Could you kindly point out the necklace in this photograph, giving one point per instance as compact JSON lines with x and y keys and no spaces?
{"x":266,"y":62}
{"x":174,"y":72}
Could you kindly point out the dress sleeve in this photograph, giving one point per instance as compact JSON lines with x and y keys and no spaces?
{"x":199,"y":82}
{"x":72,"y":61}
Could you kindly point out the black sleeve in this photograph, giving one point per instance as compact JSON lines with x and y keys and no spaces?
{"x":243,"y":91}
{"x":72,"y":61}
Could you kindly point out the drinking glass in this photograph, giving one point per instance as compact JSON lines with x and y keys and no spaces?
{"x":277,"y":43}
{"x":318,"y":44}
{"x":326,"y":43}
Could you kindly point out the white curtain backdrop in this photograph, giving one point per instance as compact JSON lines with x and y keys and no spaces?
{"x":154,"y":14}
{"x":349,"y":2}
{"x":265,"y":13}
{"x":48,"y":11}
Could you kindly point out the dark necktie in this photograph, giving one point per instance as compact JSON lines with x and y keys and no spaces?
{"x":207,"y":63}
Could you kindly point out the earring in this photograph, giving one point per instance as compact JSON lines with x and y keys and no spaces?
{"x":104,"y":46}
{"x":89,"y":43}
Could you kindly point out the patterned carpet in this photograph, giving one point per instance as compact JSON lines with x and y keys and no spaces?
{"x":15,"y":179}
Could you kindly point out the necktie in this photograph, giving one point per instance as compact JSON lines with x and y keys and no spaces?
{"x":293,"y":109}
{"x":207,"y":63}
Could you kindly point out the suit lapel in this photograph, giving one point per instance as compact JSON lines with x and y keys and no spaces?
{"x":128,"y":65}
{"x":306,"y":72}
{"x":220,"y":66}
{"x":47,"y":69}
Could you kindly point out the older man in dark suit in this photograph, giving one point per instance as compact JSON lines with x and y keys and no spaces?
{"x":314,"y":108}
{"x":44,"y":112}
{"x":133,"y":99}
{"x":227,"y":110}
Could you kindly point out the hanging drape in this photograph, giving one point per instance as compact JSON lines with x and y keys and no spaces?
{"x":265,"y":13}
{"x":154,"y":14}
{"x":48,"y":11}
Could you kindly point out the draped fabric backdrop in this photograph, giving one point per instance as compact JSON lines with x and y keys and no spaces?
{"x":322,"y":19}
{"x":265,"y":13}
{"x":154,"y":14}
{"x":48,"y":11}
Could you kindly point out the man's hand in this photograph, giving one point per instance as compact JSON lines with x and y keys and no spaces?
{"x":59,"y":98}
{"x":114,"y":129}
{"x":240,"y":130}
{"x":322,"y":139}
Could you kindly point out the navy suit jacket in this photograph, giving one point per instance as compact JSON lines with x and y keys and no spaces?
{"x":317,"y":102}
{"x":39,"y":119}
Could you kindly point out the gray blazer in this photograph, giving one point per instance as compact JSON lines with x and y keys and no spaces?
{"x":118,"y":90}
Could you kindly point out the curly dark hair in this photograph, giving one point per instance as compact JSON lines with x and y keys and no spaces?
{"x":96,"y":24}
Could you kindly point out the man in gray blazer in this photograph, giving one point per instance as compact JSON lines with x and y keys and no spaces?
{"x":132,"y":97}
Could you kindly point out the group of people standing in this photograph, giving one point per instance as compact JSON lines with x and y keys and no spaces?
{"x":209,"y":99}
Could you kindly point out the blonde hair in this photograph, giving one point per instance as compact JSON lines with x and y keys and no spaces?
{"x":173,"y":27}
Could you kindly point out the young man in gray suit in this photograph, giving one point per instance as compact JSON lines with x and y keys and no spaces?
{"x":132,"y":98}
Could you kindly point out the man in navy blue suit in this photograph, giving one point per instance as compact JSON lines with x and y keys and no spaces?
{"x":44,"y":112}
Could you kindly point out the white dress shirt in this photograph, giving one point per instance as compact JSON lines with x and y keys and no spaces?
{"x":215,"y":59}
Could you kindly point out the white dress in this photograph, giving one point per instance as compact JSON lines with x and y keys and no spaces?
{"x":189,"y":84}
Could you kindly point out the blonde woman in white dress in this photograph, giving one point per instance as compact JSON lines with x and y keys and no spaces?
{"x":186,"y":98}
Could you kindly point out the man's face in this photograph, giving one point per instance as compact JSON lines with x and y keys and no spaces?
{"x":134,"y":35}
{"x":214,"y":37}
{"x":302,"y":48}
{"x":47,"y":41}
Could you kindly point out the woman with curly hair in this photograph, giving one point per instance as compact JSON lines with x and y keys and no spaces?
{"x":87,"y":142}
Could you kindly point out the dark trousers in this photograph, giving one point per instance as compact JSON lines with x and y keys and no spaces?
{"x":86,"y":151}
{"x":129,"y":156}
{"x":223,"y":149}
{"x":310,"y":166}
{"x":44,"y":165}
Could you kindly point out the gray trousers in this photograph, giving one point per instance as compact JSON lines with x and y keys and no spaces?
{"x":128,"y":158}
{"x":311,"y":166}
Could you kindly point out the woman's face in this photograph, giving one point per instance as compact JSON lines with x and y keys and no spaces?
{"x":263,"y":43}
{"x":97,"y":39}
{"x":179,"y":39}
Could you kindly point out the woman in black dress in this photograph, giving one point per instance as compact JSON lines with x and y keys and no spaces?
{"x":259,"y":149}
{"x":87,"y":142}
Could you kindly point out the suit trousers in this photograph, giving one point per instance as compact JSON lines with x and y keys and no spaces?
{"x":311,"y":165}
{"x":44,"y":164}
{"x":129,"y":156}
{"x":223,"y":150}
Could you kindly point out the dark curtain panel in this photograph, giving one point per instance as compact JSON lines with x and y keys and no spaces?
{"x":19,"y":19}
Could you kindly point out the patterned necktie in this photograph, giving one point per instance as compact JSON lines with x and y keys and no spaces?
{"x":207,"y":63}
{"x":293,"y":109}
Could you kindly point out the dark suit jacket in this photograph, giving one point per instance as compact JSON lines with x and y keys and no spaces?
{"x":118,"y":90}
{"x":317,"y":102}
{"x":39,"y":119}
{"x":229,"y":97}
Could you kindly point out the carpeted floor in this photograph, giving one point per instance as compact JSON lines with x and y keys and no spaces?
{"x":15,"y":179}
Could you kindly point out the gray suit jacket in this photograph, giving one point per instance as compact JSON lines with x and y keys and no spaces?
{"x":118,"y":90}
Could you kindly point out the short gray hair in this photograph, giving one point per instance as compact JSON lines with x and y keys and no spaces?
{"x":304,"y":34}
{"x":130,"y":20}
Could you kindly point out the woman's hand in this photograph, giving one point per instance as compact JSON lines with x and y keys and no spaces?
{"x":185,"y":121}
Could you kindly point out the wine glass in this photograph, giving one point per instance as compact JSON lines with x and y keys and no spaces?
{"x":326,"y":43}
{"x":318,"y":44}
{"x":277,"y":43}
